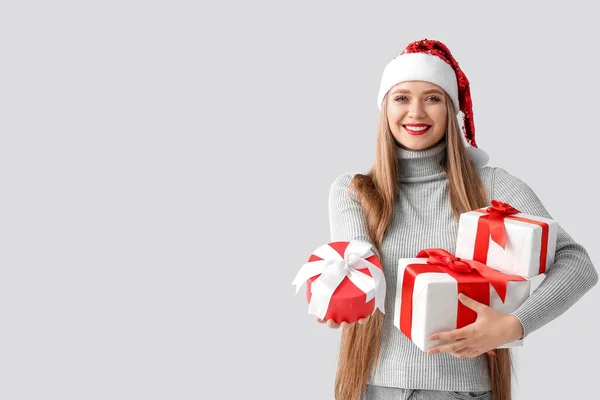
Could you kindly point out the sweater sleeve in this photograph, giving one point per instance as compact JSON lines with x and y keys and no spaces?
{"x":572,"y":273}
{"x":346,"y":219}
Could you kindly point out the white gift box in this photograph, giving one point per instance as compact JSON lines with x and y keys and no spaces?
{"x":522,"y":254}
{"x":435,"y":303}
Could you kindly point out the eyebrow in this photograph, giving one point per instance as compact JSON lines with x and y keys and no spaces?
{"x":424,"y":92}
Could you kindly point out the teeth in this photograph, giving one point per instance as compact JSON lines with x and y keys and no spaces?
{"x":417,"y":128}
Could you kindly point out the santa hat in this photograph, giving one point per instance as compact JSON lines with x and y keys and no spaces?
{"x":431,"y":61}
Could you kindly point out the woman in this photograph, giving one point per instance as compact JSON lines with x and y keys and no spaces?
{"x":426,"y":173}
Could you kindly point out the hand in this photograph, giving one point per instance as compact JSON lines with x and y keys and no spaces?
{"x":334,"y":325}
{"x":491,"y":329}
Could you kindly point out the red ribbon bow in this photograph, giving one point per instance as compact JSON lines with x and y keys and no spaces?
{"x":497,"y":212}
{"x":502,"y":208}
{"x":444,"y":259}
{"x":449,"y":261}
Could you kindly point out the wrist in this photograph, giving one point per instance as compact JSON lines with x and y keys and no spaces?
{"x":516,"y":328}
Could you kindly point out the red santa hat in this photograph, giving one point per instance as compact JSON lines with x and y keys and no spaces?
{"x":431,"y":61}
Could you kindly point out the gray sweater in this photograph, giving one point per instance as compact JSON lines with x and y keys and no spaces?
{"x":423,"y":219}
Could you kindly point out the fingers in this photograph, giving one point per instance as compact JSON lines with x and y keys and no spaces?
{"x":470,"y":352}
{"x":332,"y":324}
{"x":361,"y":321}
{"x":455,"y":334}
{"x":454,"y":347}
{"x":465,"y":353}
{"x":472,"y":304}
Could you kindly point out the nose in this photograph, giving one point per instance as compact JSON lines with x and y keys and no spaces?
{"x":416,"y":110}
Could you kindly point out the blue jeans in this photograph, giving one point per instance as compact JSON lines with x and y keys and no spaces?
{"x":388,"y":393}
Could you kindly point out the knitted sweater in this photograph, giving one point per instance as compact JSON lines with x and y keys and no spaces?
{"x":423,"y":219}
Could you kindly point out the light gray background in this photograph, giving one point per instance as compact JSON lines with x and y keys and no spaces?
{"x":165,"y":170}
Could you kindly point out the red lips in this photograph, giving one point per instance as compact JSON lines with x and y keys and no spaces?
{"x":419,"y":132}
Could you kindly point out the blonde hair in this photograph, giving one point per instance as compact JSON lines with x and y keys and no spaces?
{"x":377,"y":192}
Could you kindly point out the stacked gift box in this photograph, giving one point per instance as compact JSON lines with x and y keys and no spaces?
{"x":498,"y":248}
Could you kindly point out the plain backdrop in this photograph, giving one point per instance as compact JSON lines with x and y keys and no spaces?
{"x":165,"y":169}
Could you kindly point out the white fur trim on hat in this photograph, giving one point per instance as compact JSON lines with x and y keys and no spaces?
{"x":419,"y":67}
{"x":479,"y":157}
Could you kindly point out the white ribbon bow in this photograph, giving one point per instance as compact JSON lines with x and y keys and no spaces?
{"x":334,"y":268}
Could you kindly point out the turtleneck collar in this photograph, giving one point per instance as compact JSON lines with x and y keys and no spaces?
{"x":420,"y":165}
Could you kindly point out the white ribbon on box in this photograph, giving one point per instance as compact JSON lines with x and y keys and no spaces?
{"x":334,"y":268}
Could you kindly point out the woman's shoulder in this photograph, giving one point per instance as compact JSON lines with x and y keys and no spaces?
{"x":502,"y":179}
{"x":505,"y":186}
{"x":497,"y":176}
{"x":341,"y":186}
{"x":344,"y":179}
{"x":486,"y":171}
{"x":341,"y":181}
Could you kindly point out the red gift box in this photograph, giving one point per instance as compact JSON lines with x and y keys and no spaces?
{"x":346,"y":280}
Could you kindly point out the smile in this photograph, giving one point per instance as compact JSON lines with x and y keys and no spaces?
{"x":416,"y":130}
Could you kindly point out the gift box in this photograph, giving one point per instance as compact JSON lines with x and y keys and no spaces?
{"x":427,"y":294}
{"x":505,"y":239}
{"x":344,"y":281}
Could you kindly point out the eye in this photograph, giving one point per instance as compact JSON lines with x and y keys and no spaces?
{"x":402,"y":98}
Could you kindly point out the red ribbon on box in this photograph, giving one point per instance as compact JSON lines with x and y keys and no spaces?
{"x":492,"y":225}
{"x":473,"y":278}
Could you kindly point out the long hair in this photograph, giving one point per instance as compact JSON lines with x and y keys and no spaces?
{"x":377,"y":192}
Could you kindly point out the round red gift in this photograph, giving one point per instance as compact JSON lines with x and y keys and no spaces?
{"x":344,"y":281}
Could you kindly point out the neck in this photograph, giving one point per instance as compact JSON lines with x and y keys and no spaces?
{"x":417,"y":165}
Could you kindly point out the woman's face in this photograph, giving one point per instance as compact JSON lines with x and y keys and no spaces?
{"x":413,"y":104}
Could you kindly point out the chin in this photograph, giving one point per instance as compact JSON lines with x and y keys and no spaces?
{"x":418,"y":145}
